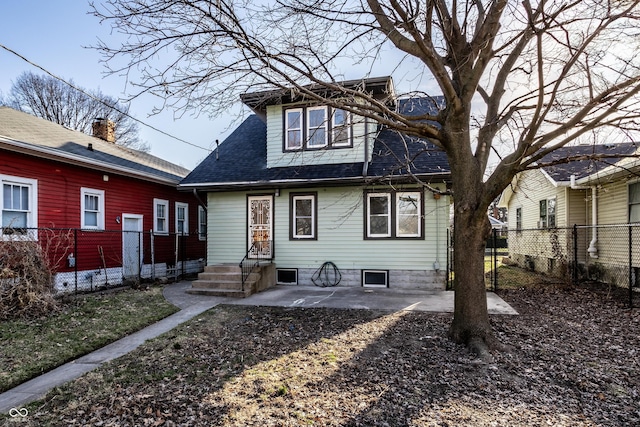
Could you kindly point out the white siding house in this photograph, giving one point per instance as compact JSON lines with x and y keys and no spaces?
{"x":596,"y":196}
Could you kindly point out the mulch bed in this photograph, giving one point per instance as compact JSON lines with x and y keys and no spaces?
{"x":572,"y":359}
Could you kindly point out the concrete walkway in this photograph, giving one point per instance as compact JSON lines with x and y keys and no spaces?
{"x":193,"y":305}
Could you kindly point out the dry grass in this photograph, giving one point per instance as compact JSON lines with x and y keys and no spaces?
{"x":32,"y":346}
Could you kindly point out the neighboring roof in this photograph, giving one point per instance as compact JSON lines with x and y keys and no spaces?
{"x":585,"y":172}
{"x":496,"y":223}
{"x":584,"y":168}
{"x":28,"y":134}
{"x":241,"y":160}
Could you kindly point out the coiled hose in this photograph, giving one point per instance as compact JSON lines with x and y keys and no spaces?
{"x":327,"y":275}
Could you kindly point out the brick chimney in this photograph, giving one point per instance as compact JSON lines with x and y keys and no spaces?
{"x":104,"y":129}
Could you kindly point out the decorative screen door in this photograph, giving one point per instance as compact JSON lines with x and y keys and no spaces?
{"x":260,"y":227}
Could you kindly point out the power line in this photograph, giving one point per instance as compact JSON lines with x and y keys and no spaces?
{"x":99,"y":100}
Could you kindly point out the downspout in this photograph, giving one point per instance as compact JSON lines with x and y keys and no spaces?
{"x":436,"y":264}
{"x":365,"y":165}
{"x":593,"y":250}
{"x":197,"y":196}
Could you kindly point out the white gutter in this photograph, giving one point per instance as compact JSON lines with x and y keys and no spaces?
{"x":593,"y":249}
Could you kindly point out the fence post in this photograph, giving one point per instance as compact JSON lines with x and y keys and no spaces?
{"x":140,"y":258}
{"x":630,"y":268}
{"x":448,"y":258}
{"x":495,"y":260}
{"x":574,"y":273}
{"x":75,"y":255}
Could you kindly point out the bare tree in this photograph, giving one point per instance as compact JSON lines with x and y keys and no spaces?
{"x":51,"y":99}
{"x":520,"y":79}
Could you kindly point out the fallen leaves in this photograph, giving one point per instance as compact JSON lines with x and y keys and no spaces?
{"x":572,"y":362}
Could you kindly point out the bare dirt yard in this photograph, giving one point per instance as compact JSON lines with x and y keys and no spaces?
{"x":573,"y":359}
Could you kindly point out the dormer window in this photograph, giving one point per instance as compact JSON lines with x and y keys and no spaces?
{"x":340,"y":128}
{"x":316,"y":127}
{"x":293,"y":124}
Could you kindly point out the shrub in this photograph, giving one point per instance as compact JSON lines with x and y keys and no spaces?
{"x":26,"y":272}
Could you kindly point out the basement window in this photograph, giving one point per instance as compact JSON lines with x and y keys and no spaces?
{"x":377,"y":278}
{"x":287,"y":276}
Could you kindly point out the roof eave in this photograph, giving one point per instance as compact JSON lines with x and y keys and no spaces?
{"x":56,"y":155}
{"x":284,"y":183}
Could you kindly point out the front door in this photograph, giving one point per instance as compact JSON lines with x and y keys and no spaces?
{"x":131,"y":245}
{"x":260,"y":227}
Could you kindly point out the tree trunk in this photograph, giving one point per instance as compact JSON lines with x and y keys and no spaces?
{"x":470,"y":324}
{"x":471,"y":228}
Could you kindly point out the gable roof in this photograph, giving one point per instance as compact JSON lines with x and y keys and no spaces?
{"x":22,"y":132}
{"x":241,"y":160}
{"x":584,"y":168}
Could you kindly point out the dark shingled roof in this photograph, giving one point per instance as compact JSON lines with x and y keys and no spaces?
{"x":582,"y":168}
{"x":19,"y":129}
{"x":241,"y":160}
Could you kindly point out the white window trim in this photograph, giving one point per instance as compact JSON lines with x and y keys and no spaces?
{"x":629,"y":204}
{"x":156,"y":203}
{"x":335,"y":126}
{"x":84,"y":191}
{"x":418,"y":194}
{"x":295,"y":216}
{"x":32,"y":213}
{"x":383,"y":272}
{"x":545,"y":223}
{"x":369,"y":197}
{"x":288,"y":146}
{"x":186,"y":218}
{"x":312,"y":130}
{"x":202,"y":215}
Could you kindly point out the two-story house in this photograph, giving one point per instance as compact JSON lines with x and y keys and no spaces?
{"x":301,"y":184}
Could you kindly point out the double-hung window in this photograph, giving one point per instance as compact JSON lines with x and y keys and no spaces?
{"x":408,"y":214}
{"x":182,"y":218}
{"x":303,"y":216}
{"x":202,"y":223}
{"x":92,"y":209}
{"x":18,"y":207}
{"x":340,"y":128}
{"x":634,"y":202}
{"x":547,"y":213}
{"x":316,"y":127}
{"x":393,"y":214}
{"x":293,"y":128}
{"x":160,"y":216}
{"x":518,"y":219}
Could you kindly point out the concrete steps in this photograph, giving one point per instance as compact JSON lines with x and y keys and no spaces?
{"x":225,"y":280}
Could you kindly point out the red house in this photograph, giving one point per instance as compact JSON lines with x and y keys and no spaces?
{"x":107,"y":213}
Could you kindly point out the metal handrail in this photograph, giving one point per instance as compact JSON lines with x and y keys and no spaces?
{"x":253,"y":257}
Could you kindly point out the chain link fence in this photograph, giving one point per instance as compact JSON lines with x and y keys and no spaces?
{"x":91,"y":260}
{"x":607,"y":254}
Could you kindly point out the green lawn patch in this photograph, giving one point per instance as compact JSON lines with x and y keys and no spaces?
{"x":31,"y":347}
